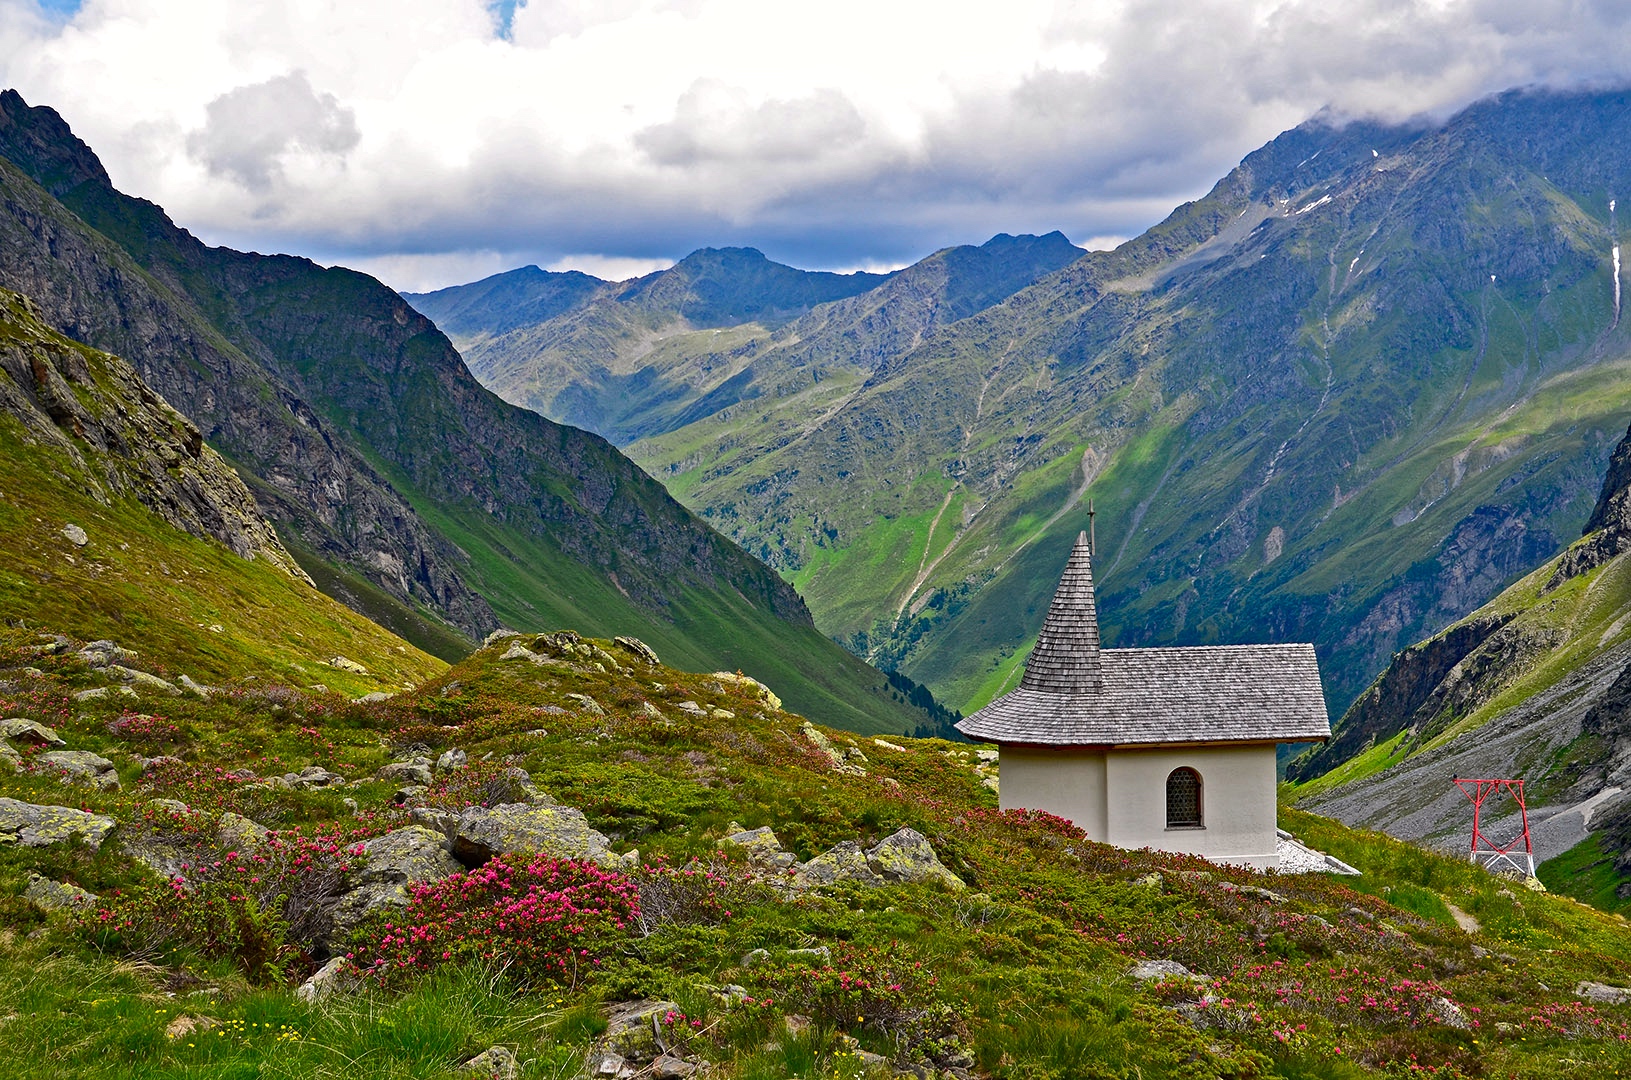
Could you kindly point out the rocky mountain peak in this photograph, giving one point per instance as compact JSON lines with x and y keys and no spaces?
{"x":39,"y":141}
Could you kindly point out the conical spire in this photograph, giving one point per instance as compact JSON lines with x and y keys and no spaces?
{"x":1066,"y":657}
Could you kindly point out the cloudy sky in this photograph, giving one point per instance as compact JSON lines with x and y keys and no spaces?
{"x":435,"y":141}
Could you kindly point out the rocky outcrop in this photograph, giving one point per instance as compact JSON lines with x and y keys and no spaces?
{"x":1608,"y":531}
{"x":29,"y":825}
{"x":80,"y":767}
{"x":123,"y":438}
{"x":561,"y":832}
{"x":19,"y":729}
{"x":389,"y":864}
{"x":902,"y":858}
{"x":57,"y":895}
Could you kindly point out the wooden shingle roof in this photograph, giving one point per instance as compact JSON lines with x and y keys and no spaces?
{"x":1076,"y":694}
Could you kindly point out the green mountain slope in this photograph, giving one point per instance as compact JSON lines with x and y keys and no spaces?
{"x":1535,"y":685}
{"x":719,"y":328}
{"x":412,"y":491}
{"x":1365,"y":382}
{"x":119,"y":523}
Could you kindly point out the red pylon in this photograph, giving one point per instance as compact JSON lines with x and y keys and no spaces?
{"x":1485,"y":851}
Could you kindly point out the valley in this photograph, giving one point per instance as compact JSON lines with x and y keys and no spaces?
{"x":1366,"y":382}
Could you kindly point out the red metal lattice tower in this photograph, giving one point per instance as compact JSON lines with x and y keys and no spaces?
{"x":1485,"y":851}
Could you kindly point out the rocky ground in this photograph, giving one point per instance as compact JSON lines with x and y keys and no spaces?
{"x":561,"y":858}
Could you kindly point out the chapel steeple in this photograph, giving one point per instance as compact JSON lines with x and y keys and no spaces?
{"x":1066,"y":657}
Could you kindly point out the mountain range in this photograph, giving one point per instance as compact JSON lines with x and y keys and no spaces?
{"x":400,"y":485}
{"x":1368,"y":380}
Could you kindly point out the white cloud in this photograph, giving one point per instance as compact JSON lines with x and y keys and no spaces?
{"x":407,"y":135}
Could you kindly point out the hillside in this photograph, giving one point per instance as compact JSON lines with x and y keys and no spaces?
{"x":855,"y":907}
{"x":119,"y":523}
{"x":719,"y":328}
{"x":405,"y":489}
{"x":1367,"y":381}
{"x":1532,"y":685}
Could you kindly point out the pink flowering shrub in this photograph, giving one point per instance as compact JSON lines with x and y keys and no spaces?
{"x":246,"y":906}
{"x":872,"y":988}
{"x":549,"y":921}
{"x":145,"y":732}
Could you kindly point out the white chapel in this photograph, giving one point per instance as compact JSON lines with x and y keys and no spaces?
{"x":1167,"y":748}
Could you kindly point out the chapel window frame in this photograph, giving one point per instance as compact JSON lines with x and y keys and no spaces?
{"x":1186,"y":803}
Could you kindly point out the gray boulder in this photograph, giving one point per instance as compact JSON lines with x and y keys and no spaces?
{"x":640,"y":649}
{"x":331,"y":977}
{"x":634,"y":1030}
{"x":762,"y":848}
{"x":452,"y":759}
{"x":21,"y":730}
{"x":235,"y":832}
{"x":389,"y":864}
{"x":493,"y":1063}
{"x":846,"y":861}
{"x":103,"y":653}
{"x":530,"y":829}
{"x":144,"y":681}
{"x":30,"y":825}
{"x":1155,"y":970}
{"x":57,"y":895}
{"x":1602,"y":993}
{"x":81,"y":767}
{"x":10,"y":758}
{"x":406,"y":772}
{"x":75,"y":535}
{"x":906,"y":857}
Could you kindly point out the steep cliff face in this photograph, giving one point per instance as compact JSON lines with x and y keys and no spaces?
{"x":331,"y":500}
{"x":123,"y":439}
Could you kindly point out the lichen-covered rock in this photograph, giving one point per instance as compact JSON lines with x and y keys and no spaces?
{"x":531,"y":829}
{"x":104,"y":652}
{"x":750,"y":685}
{"x":692,"y":708}
{"x":57,"y":895}
{"x":907,"y":857}
{"x":10,"y":758}
{"x":235,"y":832}
{"x":587,"y":704}
{"x":452,"y":759}
{"x":143,"y":680}
{"x":22,"y":730}
{"x":846,"y":861}
{"x":845,"y":759}
{"x":643,"y":652}
{"x":197,"y":689}
{"x":312,"y":776}
{"x":406,"y":772}
{"x":1602,"y":993}
{"x":493,"y":1063}
{"x":31,"y":825}
{"x":1155,"y":970}
{"x":634,"y":1030}
{"x":81,"y":767}
{"x":388,"y":865}
{"x":328,"y":979}
{"x":761,"y":847}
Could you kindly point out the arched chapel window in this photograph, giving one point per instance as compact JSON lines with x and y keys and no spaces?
{"x":1183,"y":799}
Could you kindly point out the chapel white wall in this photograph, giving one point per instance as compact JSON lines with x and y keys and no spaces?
{"x":1238,"y":806}
{"x":1067,"y":781}
{"x":1120,"y":797}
